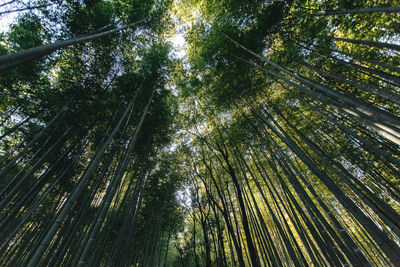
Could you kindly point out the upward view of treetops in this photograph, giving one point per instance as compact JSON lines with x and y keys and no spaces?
{"x":199,"y":133}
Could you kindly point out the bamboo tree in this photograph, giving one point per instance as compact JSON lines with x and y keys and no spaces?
{"x":8,"y":61}
{"x":393,"y":9}
{"x":114,"y":185}
{"x":67,"y":206}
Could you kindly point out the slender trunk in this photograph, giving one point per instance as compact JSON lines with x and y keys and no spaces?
{"x":29,"y":8}
{"x":31,"y":210}
{"x":245,"y":224}
{"x":384,"y":128}
{"x":388,"y":246}
{"x":14,"y":160}
{"x":224,"y":210}
{"x":194,"y":239}
{"x":206,"y":238}
{"x":8,"y":3}
{"x":9,"y":196}
{"x":369,"y":10}
{"x":12,"y":110}
{"x":78,"y":191}
{"x":14,"y":128}
{"x":166,"y":251}
{"x":27,"y":198}
{"x":365,"y":87}
{"x":18,"y":58}
{"x":366,"y":42}
{"x":381,"y":75}
{"x":385,"y":211}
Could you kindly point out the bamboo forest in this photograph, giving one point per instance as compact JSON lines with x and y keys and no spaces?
{"x":199,"y":133}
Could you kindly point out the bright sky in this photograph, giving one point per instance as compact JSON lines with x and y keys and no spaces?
{"x":179,"y":44}
{"x":6,"y":20}
{"x":177,"y":40}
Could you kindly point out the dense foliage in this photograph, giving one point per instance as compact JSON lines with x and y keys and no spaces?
{"x":273,"y":141}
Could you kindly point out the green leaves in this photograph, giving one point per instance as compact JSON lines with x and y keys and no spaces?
{"x":26,"y":33}
{"x":261,"y":141}
{"x":93,"y":16}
